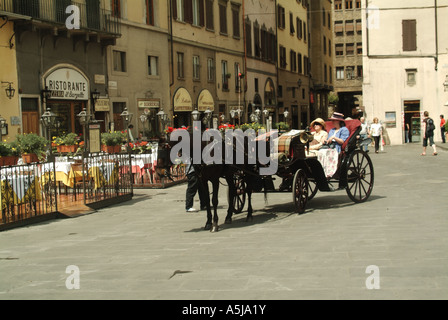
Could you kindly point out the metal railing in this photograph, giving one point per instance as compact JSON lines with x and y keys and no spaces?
{"x":27,"y":191}
{"x":92,"y":16}
{"x":104,"y":177}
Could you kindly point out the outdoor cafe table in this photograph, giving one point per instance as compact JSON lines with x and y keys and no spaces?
{"x":18,"y":187}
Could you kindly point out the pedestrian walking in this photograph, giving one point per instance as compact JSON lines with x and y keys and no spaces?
{"x":364,"y":132}
{"x":442,"y":128}
{"x":406,"y":133}
{"x":376,"y":132}
{"x":428,"y":130}
{"x":194,"y":187}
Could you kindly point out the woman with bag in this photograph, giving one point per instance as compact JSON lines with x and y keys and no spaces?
{"x":376,"y":132}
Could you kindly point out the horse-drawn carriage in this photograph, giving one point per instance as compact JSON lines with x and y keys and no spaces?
{"x":303,"y":175}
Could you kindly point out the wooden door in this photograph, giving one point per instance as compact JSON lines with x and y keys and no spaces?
{"x":30,"y":122}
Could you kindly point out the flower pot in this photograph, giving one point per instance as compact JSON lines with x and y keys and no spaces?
{"x":111,"y":149}
{"x":67,"y":149}
{"x":8,"y":161}
{"x":30,"y":158}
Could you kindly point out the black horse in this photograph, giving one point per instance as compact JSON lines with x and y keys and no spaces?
{"x":213,"y":173}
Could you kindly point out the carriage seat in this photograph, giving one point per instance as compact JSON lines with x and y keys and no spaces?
{"x":289,"y":145}
{"x":354,"y":127}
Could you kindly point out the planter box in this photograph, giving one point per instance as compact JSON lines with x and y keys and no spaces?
{"x":8,"y":161}
{"x":67,"y":149}
{"x":111,"y":149}
{"x":30,"y":158}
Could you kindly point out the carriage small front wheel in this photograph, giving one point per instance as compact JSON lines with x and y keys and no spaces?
{"x":300,"y":190}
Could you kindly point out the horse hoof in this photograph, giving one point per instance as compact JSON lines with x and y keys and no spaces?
{"x":208,"y":227}
{"x":228,"y":221}
{"x":214,"y":229}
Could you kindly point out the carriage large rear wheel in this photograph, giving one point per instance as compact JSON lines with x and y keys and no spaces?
{"x":239,"y":201}
{"x":300,"y":191}
{"x":360,"y":177}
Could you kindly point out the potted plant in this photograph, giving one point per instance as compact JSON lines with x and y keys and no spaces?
{"x":282,"y":127}
{"x":32,"y":147}
{"x":67,"y":143}
{"x":8,"y":154}
{"x":113,"y":141}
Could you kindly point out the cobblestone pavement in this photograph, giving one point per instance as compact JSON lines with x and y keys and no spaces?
{"x":149,"y":248}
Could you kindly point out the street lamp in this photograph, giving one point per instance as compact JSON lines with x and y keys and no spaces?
{"x":84,"y":120}
{"x":10,"y":91}
{"x":195,"y":115}
{"x":208,"y":117}
{"x":48,"y":120}
{"x":286,"y":114}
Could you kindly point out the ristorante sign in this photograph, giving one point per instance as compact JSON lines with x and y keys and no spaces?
{"x":67,"y":84}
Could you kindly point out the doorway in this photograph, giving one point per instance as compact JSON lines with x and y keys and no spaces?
{"x":66,"y":120}
{"x":412,"y":117}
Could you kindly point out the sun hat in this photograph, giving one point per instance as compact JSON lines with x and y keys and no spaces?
{"x":319,"y":121}
{"x":337,"y":117}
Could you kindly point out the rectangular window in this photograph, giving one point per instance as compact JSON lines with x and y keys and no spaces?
{"x":358,"y":4}
{"x":359,"y":26}
{"x":411,"y":77}
{"x":281,"y":20}
{"x":256,"y":85}
{"x":300,"y":63}
{"x":409,"y":35}
{"x":340,"y":73}
{"x":257,"y":45}
{"x":237,"y":77}
{"x":223,"y":17}
{"x":359,"y":72}
{"x":180,"y":10}
{"x":350,"y":49}
{"x":196,"y":68}
{"x":119,"y":61}
{"x":236,"y":21}
{"x":304,"y":32}
{"x":180,"y":65}
{"x":283,"y":62}
{"x":299,"y":28}
{"x":330,"y":48}
{"x":209,"y":15}
{"x":348,"y":4}
{"x":293,"y":61}
{"x":210,"y":70}
{"x":116,"y":8}
{"x":325,"y":45}
{"x":225,"y":78}
{"x":323,"y":16}
{"x":350,"y":73}
{"x":291,"y":23}
{"x":329,"y":20}
{"x":338,"y":4}
{"x":330,"y":73}
{"x":248,"y":38}
{"x":339,"y":49}
{"x":349,"y":27}
{"x":196,"y":14}
{"x":339,"y":28}
{"x":149,"y":12}
{"x":153,"y":68}
{"x":359,"y":48}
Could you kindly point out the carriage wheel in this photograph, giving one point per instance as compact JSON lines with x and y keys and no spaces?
{"x":360,"y":177}
{"x":240,"y":198}
{"x":312,"y":189}
{"x":300,"y":191}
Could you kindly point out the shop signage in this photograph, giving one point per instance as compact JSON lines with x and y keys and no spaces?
{"x":182,"y":101}
{"x":102,"y":105}
{"x":206,"y":101}
{"x":67,"y":84}
{"x":148,"y":103}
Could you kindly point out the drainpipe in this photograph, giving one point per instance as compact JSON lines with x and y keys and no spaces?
{"x":437,"y":35}
{"x":171,"y":53}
